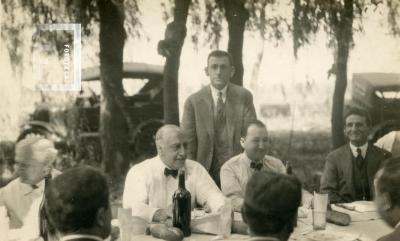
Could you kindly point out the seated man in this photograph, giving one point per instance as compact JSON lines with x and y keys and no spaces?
{"x":150,"y":184}
{"x":387,"y":198}
{"x":349,"y":170}
{"x":236,"y":172}
{"x":77,"y":205}
{"x":34,"y":156}
{"x":270,"y":205}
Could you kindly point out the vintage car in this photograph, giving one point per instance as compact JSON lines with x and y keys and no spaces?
{"x":379,"y":94}
{"x":143,"y":97}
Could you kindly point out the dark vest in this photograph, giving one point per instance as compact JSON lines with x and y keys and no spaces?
{"x":361,"y":185}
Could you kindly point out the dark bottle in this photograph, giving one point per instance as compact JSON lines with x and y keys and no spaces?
{"x":289,"y":171}
{"x":181,"y":209}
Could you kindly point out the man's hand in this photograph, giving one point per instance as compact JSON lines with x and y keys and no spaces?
{"x":161,"y":215}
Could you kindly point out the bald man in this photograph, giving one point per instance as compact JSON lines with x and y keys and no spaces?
{"x":34,"y":156}
{"x":149,"y":185}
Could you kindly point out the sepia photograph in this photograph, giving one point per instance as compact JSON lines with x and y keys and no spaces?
{"x":200,"y":120}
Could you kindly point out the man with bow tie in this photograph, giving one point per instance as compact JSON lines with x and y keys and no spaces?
{"x":349,"y":170}
{"x":149,"y":185}
{"x":236,"y":172}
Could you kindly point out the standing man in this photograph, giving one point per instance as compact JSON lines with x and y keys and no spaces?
{"x":149,"y":185}
{"x":215,"y":117}
{"x":387,"y":183}
{"x":349,"y":170}
{"x":236,"y":172}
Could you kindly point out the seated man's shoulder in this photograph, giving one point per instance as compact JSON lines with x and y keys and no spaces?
{"x":148,"y":163}
{"x":275,"y":163}
{"x":337,"y":152}
{"x":233,"y":161}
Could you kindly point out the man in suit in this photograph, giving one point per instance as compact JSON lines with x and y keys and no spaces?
{"x":349,"y":170}
{"x":387,"y":183}
{"x":215,"y":117}
{"x":77,"y":205}
{"x":270,"y":205}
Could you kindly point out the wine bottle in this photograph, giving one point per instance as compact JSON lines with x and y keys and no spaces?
{"x":181,"y":209}
{"x":289,"y":171}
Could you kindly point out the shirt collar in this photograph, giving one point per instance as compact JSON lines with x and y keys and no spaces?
{"x":29,"y":189}
{"x":363,"y":149}
{"x":397,"y":225}
{"x":214,"y":93}
{"x":80,"y":236}
{"x":248,"y":161}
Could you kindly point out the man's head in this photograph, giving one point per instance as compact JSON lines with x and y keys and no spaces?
{"x":387,"y":191}
{"x":255,"y":140}
{"x":171,"y":146}
{"x":77,"y":201}
{"x":219,"y":68}
{"x":356,"y":126}
{"x":271,"y":203}
{"x":34,"y":156}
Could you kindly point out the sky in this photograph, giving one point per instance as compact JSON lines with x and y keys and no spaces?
{"x":302,"y":84}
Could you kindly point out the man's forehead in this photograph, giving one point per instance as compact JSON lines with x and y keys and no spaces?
{"x":218,"y":60}
{"x":258,"y":131}
{"x":356,"y":118}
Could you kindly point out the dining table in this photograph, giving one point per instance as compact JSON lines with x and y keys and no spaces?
{"x":367,"y":226}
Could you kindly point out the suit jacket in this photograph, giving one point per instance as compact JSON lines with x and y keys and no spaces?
{"x":198,"y":121}
{"x":393,"y":236}
{"x":337,"y":179}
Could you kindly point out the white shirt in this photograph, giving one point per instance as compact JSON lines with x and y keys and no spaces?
{"x":214,"y":94}
{"x":18,"y":197}
{"x":363,"y":149}
{"x":147,"y":189}
{"x":236,"y":172}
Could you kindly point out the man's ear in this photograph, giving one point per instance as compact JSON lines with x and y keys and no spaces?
{"x":232,"y":71}
{"x":386,"y":203}
{"x":101,"y":217}
{"x":242,"y":142}
{"x":206,"y":71}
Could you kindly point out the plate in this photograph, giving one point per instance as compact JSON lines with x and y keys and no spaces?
{"x":331,"y":236}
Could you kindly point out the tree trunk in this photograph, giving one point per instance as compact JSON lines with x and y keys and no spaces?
{"x":236,"y":15}
{"x":171,"y":48}
{"x":344,"y":34}
{"x":257,"y":64}
{"x":114,"y":131}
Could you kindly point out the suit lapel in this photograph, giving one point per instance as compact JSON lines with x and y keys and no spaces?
{"x":230,"y":104}
{"x":207,"y":111}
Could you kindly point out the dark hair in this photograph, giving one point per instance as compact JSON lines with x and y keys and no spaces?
{"x":72,"y":199}
{"x":271,"y":202}
{"x":220,"y":53}
{"x":389,"y":181}
{"x":357,"y":111}
{"x":257,"y":123}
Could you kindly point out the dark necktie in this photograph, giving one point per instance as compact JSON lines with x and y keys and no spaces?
{"x":170,"y":172}
{"x":359,"y":158}
{"x":220,"y":106}
{"x":256,"y":165}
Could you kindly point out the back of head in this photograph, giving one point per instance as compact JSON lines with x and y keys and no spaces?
{"x":389,"y":180}
{"x":74,"y":198}
{"x":271,"y":203}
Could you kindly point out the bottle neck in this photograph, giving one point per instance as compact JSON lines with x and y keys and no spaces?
{"x":181,"y":180}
